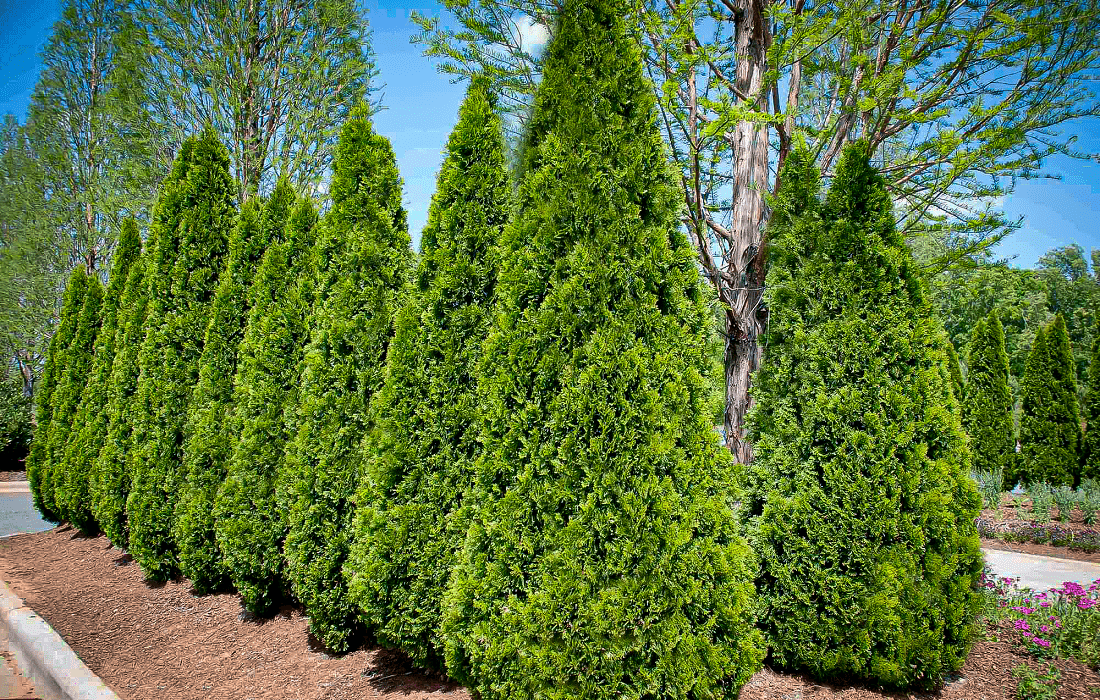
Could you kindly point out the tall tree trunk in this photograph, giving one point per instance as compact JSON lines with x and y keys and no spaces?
{"x":746,"y":317}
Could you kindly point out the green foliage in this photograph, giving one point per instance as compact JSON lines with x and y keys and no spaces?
{"x":169,"y":356}
{"x":66,"y":398}
{"x":1034,"y":685}
{"x":16,"y":409}
{"x":991,"y":486}
{"x":859,"y":502}
{"x":1066,"y":499}
{"x":603,"y":557}
{"x":955,"y":371}
{"x":409,"y":529}
{"x":364,"y":243}
{"x":90,"y":424}
{"x":110,"y":476}
{"x":1049,"y":423}
{"x":39,"y":458}
{"x":1042,"y":500}
{"x":210,"y":431}
{"x":1090,"y":409}
{"x":987,"y":406}
{"x":249,"y":525}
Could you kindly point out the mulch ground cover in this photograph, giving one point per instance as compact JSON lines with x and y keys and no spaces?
{"x":160,"y":641}
{"x":13,"y":476}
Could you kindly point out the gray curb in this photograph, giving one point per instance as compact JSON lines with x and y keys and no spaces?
{"x":44,"y":657}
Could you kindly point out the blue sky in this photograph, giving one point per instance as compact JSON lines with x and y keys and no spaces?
{"x":421,"y":107}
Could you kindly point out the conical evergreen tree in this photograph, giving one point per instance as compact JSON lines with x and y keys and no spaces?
{"x":987,"y":408}
{"x":209,"y":434}
{"x":249,"y":524}
{"x":130,"y":414}
{"x":90,"y":424}
{"x":38,"y":460}
{"x":169,"y":357}
{"x":859,"y":501}
{"x":1050,"y":429}
{"x":955,"y":371}
{"x":1090,"y":446}
{"x":603,"y":558}
{"x":66,"y":398}
{"x":110,"y":476}
{"x":364,"y":241}
{"x":408,"y":528}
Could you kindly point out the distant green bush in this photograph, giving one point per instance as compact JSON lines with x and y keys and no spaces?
{"x":1050,"y":429}
{"x":53,"y":372}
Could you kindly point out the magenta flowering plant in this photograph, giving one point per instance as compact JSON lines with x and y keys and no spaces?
{"x":1059,"y":623}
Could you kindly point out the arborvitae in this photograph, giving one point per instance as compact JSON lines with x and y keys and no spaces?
{"x":408,"y":526}
{"x":52,"y":374}
{"x":603,"y":559}
{"x":955,"y":371}
{"x":987,"y":408}
{"x":169,"y":357}
{"x":66,"y":397}
{"x":110,"y":474}
{"x":210,"y":434}
{"x":90,"y":424}
{"x":1090,"y":446}
{"x":249,"y":524}
{"x":130,"y":414}
{"x":859,"y":502}
{"x":1050,"y":428}
{"x":365,"y":242}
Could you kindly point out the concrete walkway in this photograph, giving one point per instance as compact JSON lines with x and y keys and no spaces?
{"x":1040,"y":573}
{"x":17,"y":513}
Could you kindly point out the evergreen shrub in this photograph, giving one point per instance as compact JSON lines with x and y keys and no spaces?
{"x":364,"y":244}
{"x":66,"y":398}
{"x":169,"y":356}
{"x":603,"y":559}
{"x":250,"y":525}
{"x":1050,"y":428}
{"x":52,"y":374}
{"x":1090,"y":445}
{"x":90,"y":424}
{"x":211,"y":429}
{"x":859,"y":502}
{"x":987,"y":407}
{"x":408,"y":526}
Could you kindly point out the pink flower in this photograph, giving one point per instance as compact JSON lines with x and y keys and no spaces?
{"x":1022,"y":625}
{"x":1044,"y":604}
{"x":1041,"y":642}
{"x":1044,"y":628}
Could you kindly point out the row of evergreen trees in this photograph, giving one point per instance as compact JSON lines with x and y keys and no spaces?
{"x":499,"y":457}
{"x":1053,"y":447}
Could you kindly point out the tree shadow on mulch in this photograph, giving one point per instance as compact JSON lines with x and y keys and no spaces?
{"x":393,"y":672}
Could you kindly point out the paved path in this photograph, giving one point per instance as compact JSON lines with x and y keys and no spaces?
{"x":1040,"y":573}
{"x":17,"y":513}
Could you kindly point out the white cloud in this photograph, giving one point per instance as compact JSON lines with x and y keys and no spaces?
{"x":533,"y":35}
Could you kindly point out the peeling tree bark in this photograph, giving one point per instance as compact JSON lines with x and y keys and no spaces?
{"x":746,"y":317}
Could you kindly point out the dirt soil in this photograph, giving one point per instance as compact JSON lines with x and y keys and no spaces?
{"x":160,"y":641}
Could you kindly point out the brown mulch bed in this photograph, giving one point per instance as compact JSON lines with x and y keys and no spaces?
{"x":160,"y":641}
{"x":13,"y":476}
{"x":1017,"y":507}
